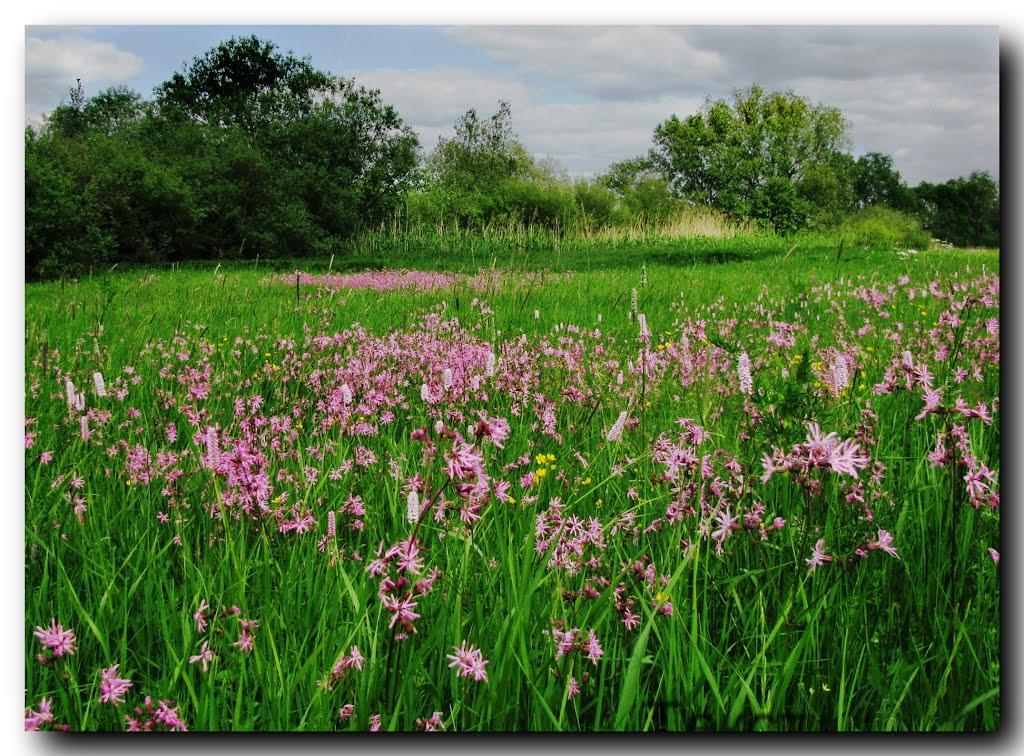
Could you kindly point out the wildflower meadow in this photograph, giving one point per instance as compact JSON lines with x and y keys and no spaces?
{"x":759,"y":494}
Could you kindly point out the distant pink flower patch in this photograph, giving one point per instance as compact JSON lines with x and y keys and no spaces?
{"x":390,"y":280}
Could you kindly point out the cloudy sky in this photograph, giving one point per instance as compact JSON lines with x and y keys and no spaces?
{"x":588,"y":96}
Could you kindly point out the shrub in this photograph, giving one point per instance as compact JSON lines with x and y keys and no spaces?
{"x":64,"y":230}
{"x":882,"y":228}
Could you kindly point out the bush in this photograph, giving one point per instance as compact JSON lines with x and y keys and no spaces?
{"x":247,"y":152}
{"x":882,"y":228}
{"x":596,"y":205}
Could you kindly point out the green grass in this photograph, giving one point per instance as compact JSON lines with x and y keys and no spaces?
{"x":755,"y":641}
{"x":537,"y":248}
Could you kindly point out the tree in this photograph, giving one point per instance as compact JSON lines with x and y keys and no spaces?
{"x":68,"y":118}
{"x":323,"y":142}
{"x":828,"y":187}
{"x":645,"y":194}
{"x":624,"y":175}
{"x":483,"y":151}
{"x":244,"y":82}
{"x":748,"y":157}
{"x":112,"y":109}
{"x":876,"y":182}
{"x":964,"y":212}
{"x":483,"y":175}
{"x":245,"y":152}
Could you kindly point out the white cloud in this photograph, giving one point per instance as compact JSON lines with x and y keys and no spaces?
{"x":610,"y":62}
{"x":584,"y":137}
{"x":935,"y":127}
{"x":437,"y":96}
{"x":52,"y":65}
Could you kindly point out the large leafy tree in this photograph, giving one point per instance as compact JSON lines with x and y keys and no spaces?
{"x":482,"y":152}
{"x":244,"y":82}
{"x":749,"y":156}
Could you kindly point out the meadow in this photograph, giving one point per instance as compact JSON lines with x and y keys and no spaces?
{"x":711,"y":487}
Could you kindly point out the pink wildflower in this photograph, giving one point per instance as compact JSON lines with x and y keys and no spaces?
{"x":593,"y":647}
{"x":244,"y":642}
{"x":200,"y":616}
{"x":746,"y":379}
{"x":34,"y":720}
{"x":56,"y":638}
{"x":818,"y":556}
{"x":469,"y":662}
{"x":615,"y":433}
{"x":112,"y":687}
{"x":169,"y":717}
{"x":884,"y":543}
{"x":205,"y":656}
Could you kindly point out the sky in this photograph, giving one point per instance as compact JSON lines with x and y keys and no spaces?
{"x":588,"y":96}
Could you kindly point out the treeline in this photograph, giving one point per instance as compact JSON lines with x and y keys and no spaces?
{"x":250,"y":152}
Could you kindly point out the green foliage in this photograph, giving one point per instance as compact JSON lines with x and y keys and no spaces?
{"x":244,"y":82}
{"x":646,"y":196}
{"x":748,"y":157}
{"x":63,"y":226}
{"x":483,"y":176}
{"x":876,"y":182}
{"x":964,"y":212}
{"x":828,"y":187}
{"x":597,"y":204}
{"x":482,"y":152}
{"x":883,"y":228}
{"x":246,"y":152}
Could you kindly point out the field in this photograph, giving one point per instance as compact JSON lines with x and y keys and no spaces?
{"x":701,"y":492}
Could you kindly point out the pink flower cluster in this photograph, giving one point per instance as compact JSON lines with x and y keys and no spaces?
{"x":574,"y":641}
{"x":390,"y":280}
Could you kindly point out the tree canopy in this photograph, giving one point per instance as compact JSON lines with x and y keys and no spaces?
{"x":749,"y":156}
{"x":245,"y":152}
